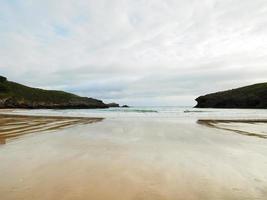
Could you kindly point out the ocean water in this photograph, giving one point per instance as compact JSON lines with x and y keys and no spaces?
{"x":153,"y":112}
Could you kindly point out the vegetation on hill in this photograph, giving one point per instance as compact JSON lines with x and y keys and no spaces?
{"x":253,"y":96}
{"x":14,"y":95}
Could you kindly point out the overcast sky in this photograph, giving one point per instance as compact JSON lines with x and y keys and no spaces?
{"x":137,"y":52}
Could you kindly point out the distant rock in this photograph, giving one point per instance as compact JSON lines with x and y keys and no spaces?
{"x":2,"y":79}
{"x":253,"y":96}
{"x":113,"y":105}
{"x":125,"y":106}
{"x":14,"y":95}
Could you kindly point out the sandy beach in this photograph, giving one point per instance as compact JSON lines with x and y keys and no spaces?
{"x":133,"y":100}
{"x":65,"y":158}
{"x":15,"y":126}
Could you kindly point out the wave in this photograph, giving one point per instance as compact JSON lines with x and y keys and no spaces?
{"x":195,"y":111}
{"x":139,"y":111}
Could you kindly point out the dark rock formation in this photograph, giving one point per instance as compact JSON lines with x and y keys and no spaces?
{"x":14,"y":95}
{"x":125,"y":106}
{"x":2,"y":79}
{"x":113,"y":105}
{"x":253,"y":96}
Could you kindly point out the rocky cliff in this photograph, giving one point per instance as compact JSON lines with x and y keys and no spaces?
{"x":14,"y":95}
{"x":253,"y":96}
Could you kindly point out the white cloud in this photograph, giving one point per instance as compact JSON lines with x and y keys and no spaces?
{"x":133,"y":51}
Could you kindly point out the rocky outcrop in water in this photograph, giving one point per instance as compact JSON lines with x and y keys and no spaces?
{"x":253,"y":96}
{"x":113,"y":105}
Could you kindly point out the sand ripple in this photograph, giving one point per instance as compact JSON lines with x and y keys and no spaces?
{"x":15,"y":126}
{"x":255,"y":128}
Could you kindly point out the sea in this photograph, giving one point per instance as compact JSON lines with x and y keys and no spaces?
{"x":179,"y":112}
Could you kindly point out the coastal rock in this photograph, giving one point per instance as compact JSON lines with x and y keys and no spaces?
{"x":2,"y":79}
{"x":253,"y":96}
{"x":125,"y":106}
{"x":14,"y":95}
{"x":113,"y":105}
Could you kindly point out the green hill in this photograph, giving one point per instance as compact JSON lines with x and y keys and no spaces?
{"x":14,"y":95}
{"x":253,"y":96}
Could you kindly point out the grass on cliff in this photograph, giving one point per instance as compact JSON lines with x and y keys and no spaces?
{"x":22,"y":92}
{"x":256,"y":89}
{"x":253,"y":96}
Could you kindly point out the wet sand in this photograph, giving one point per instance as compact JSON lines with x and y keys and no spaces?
{"x":249,"y":127}
{"x":133,"y":159}
{"x":15,"y":126}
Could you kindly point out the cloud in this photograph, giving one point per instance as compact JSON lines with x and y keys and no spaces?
{"x":165,"y":52}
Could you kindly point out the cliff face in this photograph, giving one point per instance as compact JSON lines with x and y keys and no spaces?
{"x":253,"y":96}
{"x":14,"y":95}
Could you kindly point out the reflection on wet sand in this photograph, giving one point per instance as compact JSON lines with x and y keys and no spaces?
{"x":238,"y":126}
{"x":14,"y":126}
{"x":134,"y":159}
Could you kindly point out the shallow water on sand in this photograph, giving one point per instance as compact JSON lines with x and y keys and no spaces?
{"x":135,"y":159}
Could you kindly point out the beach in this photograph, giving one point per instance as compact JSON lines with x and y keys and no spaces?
{"x":133,"y":155}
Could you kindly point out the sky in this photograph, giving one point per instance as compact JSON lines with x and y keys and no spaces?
{"x":136,"y":52}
